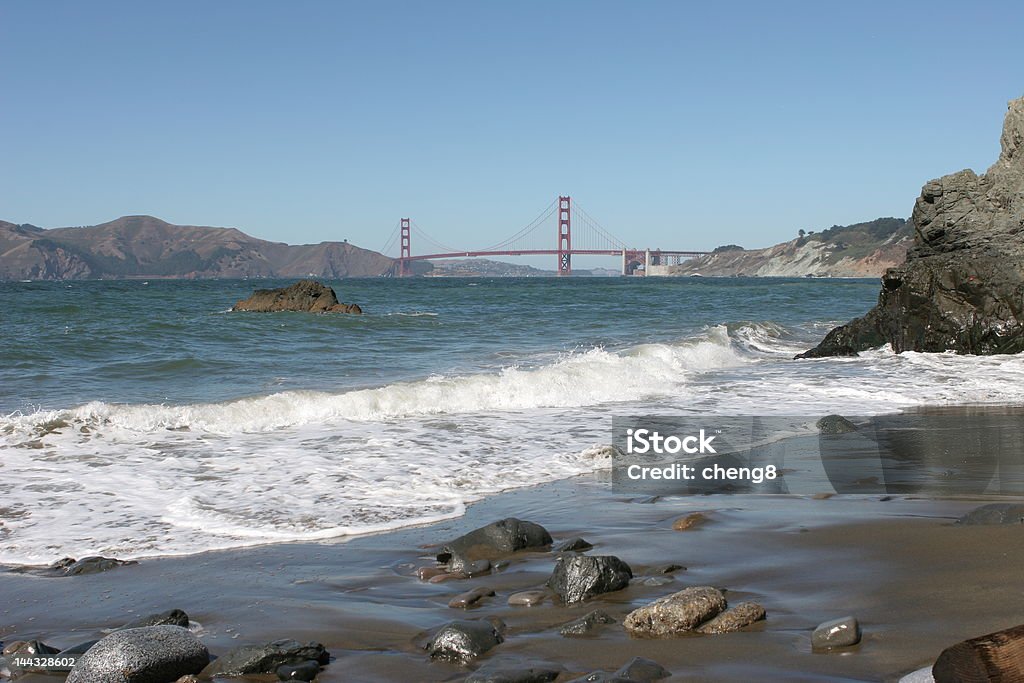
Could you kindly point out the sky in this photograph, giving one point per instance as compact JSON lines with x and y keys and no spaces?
{"x":680,"y":125}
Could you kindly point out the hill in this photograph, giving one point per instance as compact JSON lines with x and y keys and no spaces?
{"x":144,"y":246}
{"x":858,"y":250}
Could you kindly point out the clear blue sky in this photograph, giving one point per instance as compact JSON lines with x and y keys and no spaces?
{"x":675,"y":124}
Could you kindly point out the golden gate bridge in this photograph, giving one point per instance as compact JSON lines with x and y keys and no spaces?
{"x":574,"y":230}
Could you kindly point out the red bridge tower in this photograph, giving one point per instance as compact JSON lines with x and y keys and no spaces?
{"x":564,"y":237}
{"x":404,"y":264}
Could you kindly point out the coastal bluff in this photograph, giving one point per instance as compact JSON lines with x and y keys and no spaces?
{"x":961,"y":287}
{"x":307,"y":296}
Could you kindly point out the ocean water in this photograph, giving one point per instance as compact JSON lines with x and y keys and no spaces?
{"x":143,"y":418}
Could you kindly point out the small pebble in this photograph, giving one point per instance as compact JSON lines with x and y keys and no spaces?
{"x":527,"y":598}
{"x":470,"y":598}
{"x":690,"y":521}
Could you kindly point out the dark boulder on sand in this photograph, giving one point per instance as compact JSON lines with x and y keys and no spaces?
{"x":174,"y":617}
{"x":586,"y":625}
{"x":514,"y":671}
{"x":994,"y":513}
{"x":463,"y":641}
{"x":578,"y":577}
{"x":266,"y":659}
{"x":962,"y":286}
{"x":307,"y":296}
{"x":69,"y":566}
{"x":153,"y":654}
{"x":494,"y":540}
{"x":636,"y":670}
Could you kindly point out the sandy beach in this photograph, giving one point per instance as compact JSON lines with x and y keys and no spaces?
{"x":915,"y":580}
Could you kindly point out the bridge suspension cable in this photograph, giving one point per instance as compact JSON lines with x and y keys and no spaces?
{"x":518,"y":240}
{"x":392,"y":240}
{"x":589,"y":234}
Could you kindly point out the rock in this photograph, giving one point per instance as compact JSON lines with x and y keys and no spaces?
{"x":307,"y":296}
{"x":187,"y":679}
{"x":497,"y":672}
{"x":837,"y":633}
{"x":996,"y":513}
{"x":734,"y":618}
{"x":676,"y":613}
{"x":527,"y":598}
{"x":447,"y":576}
{"x":995,"y":656}
{"x":494,"y":540}
{"x":690,"y":521}
{"x":637,"y":670}
{"x":303,"y":671}
{"x":478,"y":568}
{"x":427,"y":573}
{"x":642,"y":670}
{"x":462,"y":641}
{"x":266,"y":659}
{"x":668,"y":568}
{"x":835,"y":424}
{"x":151,"y":654}
{"x":578,"y":577}
{"x":174,"y":617}
{"x":923,"y":675}
{"x":470,"y":598}
{"x":574,"y":545}
{"x":69,"y":566}
{"x":961,"y":287}
{"x":586,"y":625}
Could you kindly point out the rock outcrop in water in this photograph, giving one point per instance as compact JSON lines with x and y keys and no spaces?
{"x":962,"y":286}
{"x":307,"y":296}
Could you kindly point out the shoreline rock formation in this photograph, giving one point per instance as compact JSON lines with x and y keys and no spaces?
{"x":307,"y":296}
{"x":962,"y":286}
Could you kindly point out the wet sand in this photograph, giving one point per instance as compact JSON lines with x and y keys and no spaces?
{"x":916,"y":582}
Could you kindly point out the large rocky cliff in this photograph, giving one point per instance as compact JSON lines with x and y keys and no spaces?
{"x":144,"y":246}
{"x":859,"y":250}
{"x":962,"y":285}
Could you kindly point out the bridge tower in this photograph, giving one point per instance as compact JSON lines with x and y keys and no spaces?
{"x":404,"y":264}
{"x":564,"y":237}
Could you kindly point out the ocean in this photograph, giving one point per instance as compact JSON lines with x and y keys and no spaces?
{"x":144,"y":418}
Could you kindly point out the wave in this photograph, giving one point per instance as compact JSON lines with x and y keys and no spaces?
{"x":575,"y":379}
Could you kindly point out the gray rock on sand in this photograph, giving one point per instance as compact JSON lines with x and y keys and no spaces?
{"x":835,"y":424}
{"x":509,"y":672}
{"x":842,"y":632}
{"x":676,"y":613}
{"x":174,"y":617}
{"x":266,"y":659}
{"x":307,"y":296}
{"x":151,"y":654}
{"x":996,"y":513}
{"x":463,"y":641}
{"x":69,"y":566}
{"x":636,"y":670}
{"x":734,"y":618}
{"x":586,"y":625}
{"x":574,"y":545}
{"x":960,"y":288}
{"x":578,"y":577}
{"x":499,"y":538}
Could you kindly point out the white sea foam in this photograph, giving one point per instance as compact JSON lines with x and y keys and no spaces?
{"x":138,"y":480}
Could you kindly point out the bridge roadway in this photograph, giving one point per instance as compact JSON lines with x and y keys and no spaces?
{"x":631,"y":258}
